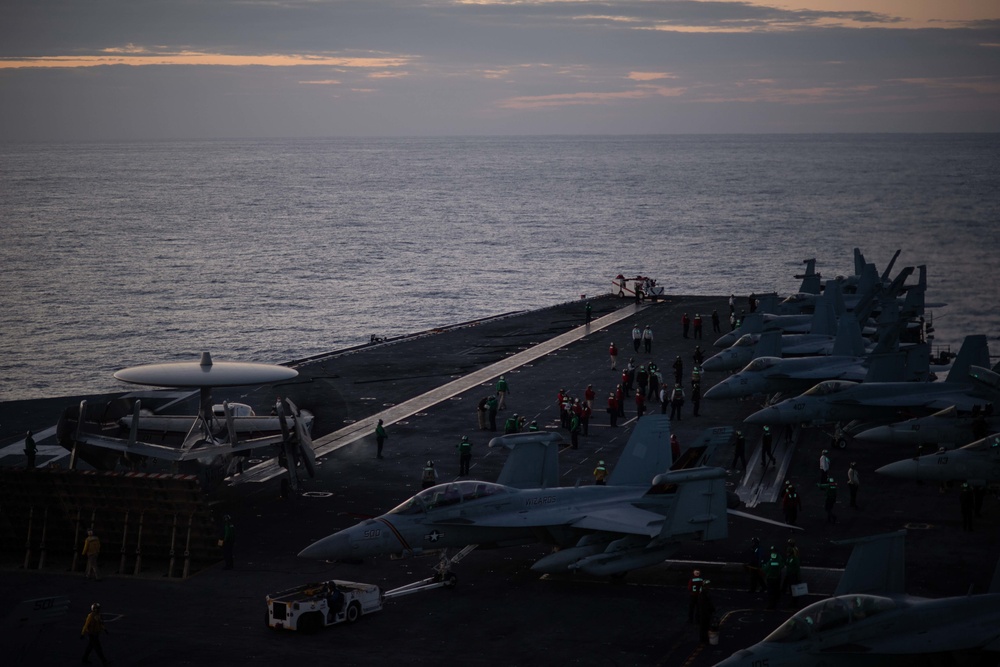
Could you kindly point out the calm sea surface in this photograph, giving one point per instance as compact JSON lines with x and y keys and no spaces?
{"x":120,"y":254}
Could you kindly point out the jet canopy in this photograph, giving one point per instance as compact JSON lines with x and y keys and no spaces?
{"x":830,"y":387}
{"x":746,"y":340}
{"x":452,"y":493}
{"x":828,"y":615}
{"x":761,"y":364}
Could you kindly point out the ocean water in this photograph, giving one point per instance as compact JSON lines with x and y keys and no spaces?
{"x":120,"y":254}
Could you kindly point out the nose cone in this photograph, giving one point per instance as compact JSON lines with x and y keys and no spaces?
{"x":714,"y":363}
{"x":877,"y":434}
{"x":770,"y":415}
{"x":726,"y":340}
{"x":728,"y":388}
{"x":908,"y":469}
{"x":332,"y":547}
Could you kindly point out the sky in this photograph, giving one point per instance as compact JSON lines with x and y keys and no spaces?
{"x":97,"y":70}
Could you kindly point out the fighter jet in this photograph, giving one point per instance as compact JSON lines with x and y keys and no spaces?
{"x":949,"y":426}
{"x":650,"y":504}
{"x":770,"y":375}
{"x":846,"y":340}
{"x":870,"y":621}
{"x":842,"y":401}
{"x":977,"y":463}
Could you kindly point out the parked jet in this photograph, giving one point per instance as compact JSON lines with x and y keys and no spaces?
{"x":210,"y":444}
{"x":832,"y":338}
{"x":949,"y":426}
{"x":872,"y":622}
{"x":648,"y":507}
{"x":977,"y":463}
{"x":842,"y":401}
{"x":771,"y":375}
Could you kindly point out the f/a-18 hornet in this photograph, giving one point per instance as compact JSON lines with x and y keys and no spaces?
{"x":871,"y":622}
{"x":649,"y":505}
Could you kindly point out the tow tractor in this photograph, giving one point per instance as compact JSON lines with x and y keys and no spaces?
{"x":309,"y":607}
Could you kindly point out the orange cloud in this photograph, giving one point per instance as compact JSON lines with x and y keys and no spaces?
{"x":138,"y":57}
{"x":577,"y":99}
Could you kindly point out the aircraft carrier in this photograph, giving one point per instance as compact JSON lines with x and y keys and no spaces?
{"x":426,"y":387}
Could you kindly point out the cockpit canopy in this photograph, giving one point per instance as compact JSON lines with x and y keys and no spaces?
{"x":760,"y":364}
{"x":448,"y":494}
{"x":829,"y":614}
{"x":746,"y":340}
{"x":830,"y":387}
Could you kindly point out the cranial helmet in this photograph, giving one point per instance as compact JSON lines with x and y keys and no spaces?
{"x":600,"y":463}
{"x":95,"y":607}
{"x":430,"y":464}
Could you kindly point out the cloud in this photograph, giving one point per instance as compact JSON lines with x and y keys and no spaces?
{"x":134,"y":56}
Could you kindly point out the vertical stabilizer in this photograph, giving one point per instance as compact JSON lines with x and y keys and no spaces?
{"x":768,"y":345}
{"x":810,"y":279}
{"x":848,"y":342}
{"x":699,"y":503}
{"x":824,"y":319}
{"x":975,"y":351}
{"x":533,"y":462}
{"x":646,"y":454}
{"x":876,"y":565}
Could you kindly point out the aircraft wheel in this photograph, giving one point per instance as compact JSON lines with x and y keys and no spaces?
{"x":621,"y":294}
{"x":841,"y":443}
{"x":353,"y":612}
{"x":450,"y":580}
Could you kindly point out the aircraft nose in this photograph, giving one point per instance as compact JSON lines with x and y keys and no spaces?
{"x":770,"y":415}
{"x":877,"y":434}
{"x":332,"y":547}
{"x":722,"y":390}
{"x":713,"y":363}
{"x":726,"y":340}
{"x":901,"y":469}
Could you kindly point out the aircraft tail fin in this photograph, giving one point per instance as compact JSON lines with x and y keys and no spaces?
{"x":533,"y":461}
{"x":868,"y":281}
{"x":876,"y":565}
{"x":768,"y":303}
{"x":752,"y":323}
{"x":768,"y":345}
{"x":890,"y":327}
{"x":975,"y":351}
{"x":859,"y":262}
{"x":810,"y":279}
{"x":699,"y":503}
{"x":848,"y":342}
{"x":701,"y":450}
{"x":892,"y":262}
{"x":913,"y":303}
{"x":888,"y":367}
{"x":646,"y":453}
{"x":824,"y":319}
{"x":918,"y":363}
